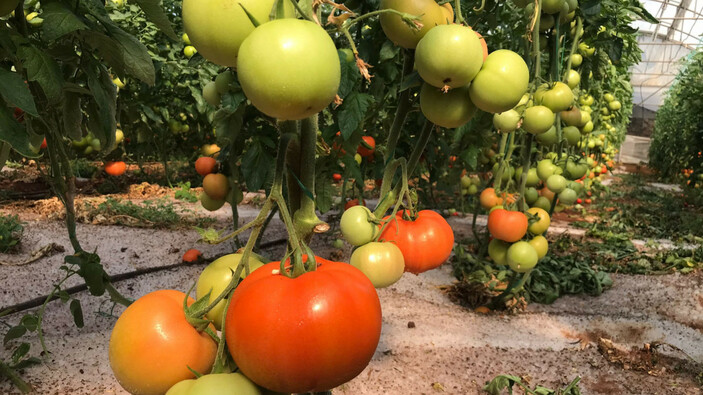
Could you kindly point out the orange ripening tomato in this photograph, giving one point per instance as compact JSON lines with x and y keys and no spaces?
{"x":426,"y":242}
{"x":505,"y":225}
{"x":205,"y":165}
{"x":115,"y":168}
{"x":307,"y":334}
{"x":489,"y":198}
{"x":363,"y":150}
{"x":152,"y":346}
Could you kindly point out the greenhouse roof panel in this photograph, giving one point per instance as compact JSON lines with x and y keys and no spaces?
{"x":665,"y":44}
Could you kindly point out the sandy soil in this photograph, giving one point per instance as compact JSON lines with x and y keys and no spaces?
{"x":429,"y":345}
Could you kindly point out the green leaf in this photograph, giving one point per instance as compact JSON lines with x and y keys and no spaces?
{"x":228,"y":124}
{"x":13,"y":133}
{"x":388,"y":51}
{"x":14,"y":333}
{"x":135,"y":55}
{"x":154,"y":11}
{"x":324,"y":191}
{"x":91,"y":270}
{"x":64,"y":296}
{"x":19,"y":353}
{"x":470,"y":156}
{"x":101,"y":111}
{"x":590,"y":7}
{"x":30,"y":321}
{"x":257,"y":165}
{"x":412,"y":80}
{"x":107,"y":48}
{"x":16,"y":92}
{"x":353,"y":112}
{"x":72,"y":115}
{"x":349,"y":76}
{"x":498,"y":384}
{"x":59,"y":20}
{"x":77,"y":312}
{"x":44,"y":70}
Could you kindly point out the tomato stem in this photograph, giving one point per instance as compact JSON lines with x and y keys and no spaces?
{"x":574,"y":46}
{"x":306,"y":220}
{"x":526,"y":157}
{"x":301,"y":11}
{"x":8,"y":372}
{"x":458,"y":17}
{"x":401,"y":112}
{"x":535,"y":39}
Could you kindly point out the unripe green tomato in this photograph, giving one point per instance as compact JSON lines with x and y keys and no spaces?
{"x":552,"y":6}
{"x":399,"y":32}
{"x":185,"y":39}
{"x":587,"y":128}
{"x":531,"y":195}
{"x":223,"y":80}
{"x":95,"y":143}
{"x":357,"y":158}
{"x":522,"y":256}
{"x":450,"y":110}
{"x":473,"y":189}
{"x":576,"y":60}
{"x":543,"y":203}
{"x":541,"y":245}
{"x":568,"y":197}
{"x":119,"y":136}
{"x":211,"y":95}
{"x":357,"y":226}
{"x":465,"y":182}
{"x":532,"y":178}
{"x":382,"y":263}
{"x":549,"y":137}
{"x":614,"y":105}
{"x":572,"y":135}
{"x":538,"y":119}
{"x":501,"y":82}
{"x":506,"y":121}
{"x":545,"y":169}
{"x":556,"y":183}
{"x":87,"y":151}
{"x":189,"y":51}
{"x":216,"y":277}
{"x":573,"y":79}
{"x":209,"y":203}
{"x":609,"y":97}
{"x":275,"y":63}
{"x":498,"y":251}
{"x":546,"y":22}
{"x":457,"y":70}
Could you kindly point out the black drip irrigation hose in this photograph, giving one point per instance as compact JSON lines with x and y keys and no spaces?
{"x":38,"y":301}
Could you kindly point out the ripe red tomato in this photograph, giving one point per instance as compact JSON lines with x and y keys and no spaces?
{"x":426,"y":242}
{"x":192,"y":255}
{"x":19,"y":114}
{"x":43,"y":144}
{"x":337,"y":177}
{"x":352,"y":203}
{"x":152,"y":346}
{"x":115,"y":168}
{"x":307,"y":334}
{"x":506,"y":225}
{"x":366,"y":152}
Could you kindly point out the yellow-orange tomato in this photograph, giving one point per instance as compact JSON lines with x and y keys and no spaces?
{"x":489,"y":198}
{"x":152,"y":345}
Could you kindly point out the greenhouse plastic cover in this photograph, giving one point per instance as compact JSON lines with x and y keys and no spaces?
{"x":665,"y":46}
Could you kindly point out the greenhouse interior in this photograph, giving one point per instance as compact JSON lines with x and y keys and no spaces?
{"x":219,"y":197}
